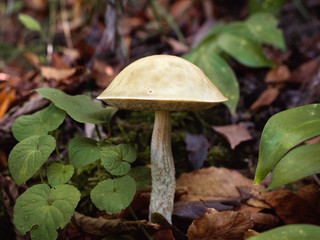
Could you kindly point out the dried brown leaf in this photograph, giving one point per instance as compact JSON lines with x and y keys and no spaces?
{"x":56,"y":74}
{"x":265,"y":99}
{"x":278,"y":74}
{"x":264,"y":221}
{"x":213,"y":184}
{"x":292,"y":208}
{"x":220,"y":225}
{"x":234,"y":134}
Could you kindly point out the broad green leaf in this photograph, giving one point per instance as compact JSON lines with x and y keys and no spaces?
{"x":290,"y":232}
{"x":83,"y":151}
{"x":300,"y":162}
{"x":80,"y":107}
{"x":219,"y":72}
{"x":246,"y":51}
{"x":116,"y":159}
{"x":29,"y":22}
{"x":282,"y":132}
{"x":39,"y":123}
{"x":269,"y":6}
{"x":113,"y":195}
{"x":142,"y":176}
{"x":58,"y":173}
{"x":42,"y":210}
{"x":29,"y":155}
{"x":264,"y":28}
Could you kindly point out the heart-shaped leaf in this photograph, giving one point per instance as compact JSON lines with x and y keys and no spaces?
{"x":39,"y":123}
{"x":58,"y":173}
{"x":113,"y":195}
{"x":244,"y":50}
{"x":300,"y":162}
{"x":29,"y":155}
{"x":42,"y":210}
{"x":290,"y":232}
{"x":116,"y":159}
{"x":142,"y":176}
{"x":80,"y":107}
{"x":83,"y":151}
{"x":282,"y":132}
{"x":264,"y":28}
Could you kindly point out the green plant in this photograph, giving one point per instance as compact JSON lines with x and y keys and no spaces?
{"x":241,"y":40}
{"x":45,"y":207}
{"x":282,"y":146}
{"x":290,"y":232}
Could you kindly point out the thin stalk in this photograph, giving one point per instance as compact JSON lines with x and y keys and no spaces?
{"x":98,"y":131}
{"x":142,"y":228}
{"x":58,"y":154}
{"x":40,"y":175}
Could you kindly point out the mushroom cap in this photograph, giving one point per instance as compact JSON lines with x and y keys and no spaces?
{"x":162,"y":83}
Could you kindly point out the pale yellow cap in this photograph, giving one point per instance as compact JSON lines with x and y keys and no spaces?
{"x":162,"y":82}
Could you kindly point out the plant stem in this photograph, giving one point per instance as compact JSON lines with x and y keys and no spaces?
{"x":142,"y":228}
{"x":97,"y":131}
{"x":58,"y":154}
{"x":40,"y":175}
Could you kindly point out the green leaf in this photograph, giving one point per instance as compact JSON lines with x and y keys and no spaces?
{"x":282,"y":132}
{"x":29,"y":22}
{"x":300,"y":162}
{"x":219,"y":72}
{"x":80,"y":107}
{"x":116,"y":159}
{"x":42,"y":210}
{"x":29,"y":155}
{"x":58,"y":173}
{"x":246,"y":51}
{"x":83,"y":151}
{"x":270,"y":6}
{"x":264,"y":28}
{"x":39,"y":123}
{"x":290,"y":232}
{"x":142,"y":176}
{"x":113,"y":195}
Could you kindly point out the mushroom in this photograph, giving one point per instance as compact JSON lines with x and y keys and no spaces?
{"x":162,"y":83}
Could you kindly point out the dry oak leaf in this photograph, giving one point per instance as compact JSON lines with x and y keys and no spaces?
{"x":219,"y":225}
{"x":213,"y":184}
{"x":234,"y":134}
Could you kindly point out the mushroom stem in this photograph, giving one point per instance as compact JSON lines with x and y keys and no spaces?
{"x":162,"y":167}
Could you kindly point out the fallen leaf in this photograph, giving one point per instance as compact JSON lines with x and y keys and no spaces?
{"x":197,"y":145}
{"x":163,"y":234}
{"x":292,"y":208}
{"x":305,"y":72}
{"x":193,"y":210}
{"x":264,"y":221}
{"x":56,"y":74}
{"x":234,"y":134}
{"x":3,"y":161}
{"x":313,"y":140}
{"x":213,"y":184}
{"x":265,"y":99}
{"x":103,"y":74}
{"x":6,"y":98}
{"x":177,"y":47}
{"x":220,"y":225}
{"x":280,"y":73}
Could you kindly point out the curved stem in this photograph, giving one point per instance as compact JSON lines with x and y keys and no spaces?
{"x":162,"y":167}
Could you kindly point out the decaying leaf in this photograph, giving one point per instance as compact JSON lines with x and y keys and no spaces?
{"x":264,"y":221}
{"x":234,"y":134}
{"x":293,"y":208}
{"x":220,"y":225}
{"x":6,"y":98}
{"x":265,"y":99}
{"x":213,"y":184}
{"x":57,"y":74}
{"x":198,"y":147}
{"x":280,"y":73}
{"x":108,"y":227}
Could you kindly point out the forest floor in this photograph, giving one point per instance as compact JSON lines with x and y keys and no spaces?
{"x":216,"y":152}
